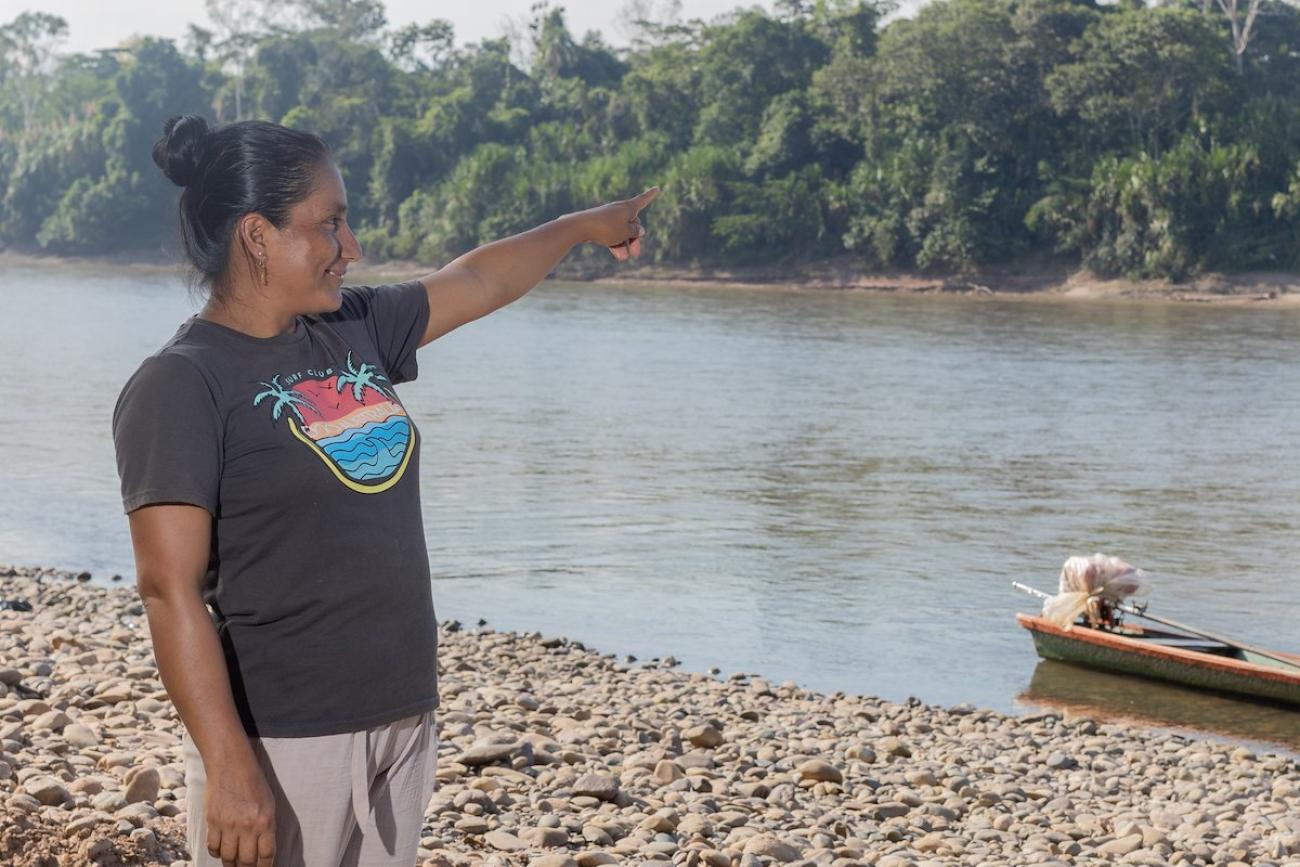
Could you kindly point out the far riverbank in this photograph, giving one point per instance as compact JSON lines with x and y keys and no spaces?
{"x":1029,"y":281}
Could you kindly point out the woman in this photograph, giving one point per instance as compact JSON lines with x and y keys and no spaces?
{"x":270,"y":471}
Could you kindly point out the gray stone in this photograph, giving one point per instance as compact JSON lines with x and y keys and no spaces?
{"x":137,"y":814}
{"x":1122,"y":845}
{"x":486,"y":754}
{"x":110,"y":801}
{"x":472,"y":825}
{"x":1059,"y":761}
{"x":76,"y":826}
{"x":80,"y":736}
{"x":601,"y":786}
{"x":545,"y":838}
{"x":145,"y":838}
{"x":504,"y":840}
{"x":47,"y":791}
{"x":52,"y":721}
{"x":23,"y":803}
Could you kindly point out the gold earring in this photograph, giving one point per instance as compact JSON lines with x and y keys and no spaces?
{"x":261,"y":264}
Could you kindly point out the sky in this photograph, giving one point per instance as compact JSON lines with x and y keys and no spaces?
{"x":104,"y":23}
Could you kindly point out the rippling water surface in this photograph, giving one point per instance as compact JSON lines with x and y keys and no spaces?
{"x":831,"y":488}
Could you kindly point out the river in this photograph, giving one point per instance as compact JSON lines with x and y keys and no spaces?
{"x":831,"y":488}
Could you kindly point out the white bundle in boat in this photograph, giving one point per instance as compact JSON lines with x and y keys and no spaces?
{"x":1086,"y":582}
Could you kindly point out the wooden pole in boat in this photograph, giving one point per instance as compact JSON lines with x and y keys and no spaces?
{"x":1258,"y":651}
{"x":1128,"y":609}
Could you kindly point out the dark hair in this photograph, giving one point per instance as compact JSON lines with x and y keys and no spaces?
{"x":250,"y":166}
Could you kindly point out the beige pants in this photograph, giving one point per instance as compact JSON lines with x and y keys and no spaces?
{"x":346,"y":800}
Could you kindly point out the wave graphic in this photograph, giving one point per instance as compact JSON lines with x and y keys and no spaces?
{"x":371,"y":451}
{"x":342,"y":443}
{"x":369,"y":447}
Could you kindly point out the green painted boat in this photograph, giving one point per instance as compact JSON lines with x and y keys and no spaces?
{"x":1170,"y":656}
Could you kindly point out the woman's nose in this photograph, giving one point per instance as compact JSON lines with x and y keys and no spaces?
{"x":351,"y":246}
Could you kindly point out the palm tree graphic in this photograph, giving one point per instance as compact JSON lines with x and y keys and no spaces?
{"x":283,"y":398}
{"x":363,"y":377}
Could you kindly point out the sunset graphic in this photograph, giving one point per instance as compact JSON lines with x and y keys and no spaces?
{"x":351,"y":420}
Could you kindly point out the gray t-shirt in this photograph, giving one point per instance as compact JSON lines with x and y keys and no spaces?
{"x":300,"y":448}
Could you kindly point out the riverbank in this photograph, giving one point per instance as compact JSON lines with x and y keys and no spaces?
{"x":1029,"y":281}
{"x":554,"y":755}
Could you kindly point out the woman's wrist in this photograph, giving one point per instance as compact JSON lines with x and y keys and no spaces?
{"x":578,"y":225}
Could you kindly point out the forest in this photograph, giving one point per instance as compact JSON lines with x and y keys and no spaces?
{"x":1133,"y":139}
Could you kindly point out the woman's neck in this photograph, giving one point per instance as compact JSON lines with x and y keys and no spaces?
{"x":254,"y":320}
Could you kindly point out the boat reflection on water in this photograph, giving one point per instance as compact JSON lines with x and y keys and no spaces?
{"x":1077,"y":691}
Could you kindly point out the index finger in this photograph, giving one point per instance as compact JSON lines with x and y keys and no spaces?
{"x":646,"y":198}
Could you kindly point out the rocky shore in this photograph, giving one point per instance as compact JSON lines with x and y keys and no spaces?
{"x":554,"y":755}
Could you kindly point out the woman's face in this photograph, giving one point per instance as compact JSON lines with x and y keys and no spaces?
{"x":307,"y":258}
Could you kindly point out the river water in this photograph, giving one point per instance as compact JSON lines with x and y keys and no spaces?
{"x":831,"y":488}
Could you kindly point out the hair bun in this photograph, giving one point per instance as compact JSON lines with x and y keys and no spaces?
{"x":180,"y":150}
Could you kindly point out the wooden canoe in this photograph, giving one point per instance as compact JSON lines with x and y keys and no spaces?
{"x":1170,"y":656}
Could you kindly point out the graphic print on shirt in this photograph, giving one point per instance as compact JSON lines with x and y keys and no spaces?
{"x":348,"y":418}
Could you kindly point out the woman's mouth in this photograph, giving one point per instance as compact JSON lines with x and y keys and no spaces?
{"x":336,"y":273}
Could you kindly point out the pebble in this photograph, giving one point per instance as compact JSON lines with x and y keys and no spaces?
{"x":486,"y":754}
{"x":600,"y":786}
{"x":110,"y":801}
{"x":892,"y":746}
{"x":703,"y":736}
{"x":768,"y":846}
{"x":505,"y":841}
{"x":80,"y":736}
{"x":472,"y":825}
{"x":820,"y":771}
{"x":142,"y":785}
{"x":546,"y":838}
{"x":47,"y":791}
{"x":559,"y":859}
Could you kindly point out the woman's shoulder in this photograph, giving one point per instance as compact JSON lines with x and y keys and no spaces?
{"x":186,"y":361}
{"x":359,"y":302}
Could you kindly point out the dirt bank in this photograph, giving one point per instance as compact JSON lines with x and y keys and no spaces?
{"x":1033,"y":280}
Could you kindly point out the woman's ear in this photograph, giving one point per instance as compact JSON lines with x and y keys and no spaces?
{"x":252,"y":231}
{"x":251,"y":236}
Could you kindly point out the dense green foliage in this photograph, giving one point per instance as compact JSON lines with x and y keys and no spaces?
{"x":1133,"y":139}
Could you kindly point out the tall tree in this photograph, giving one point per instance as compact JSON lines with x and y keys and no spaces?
{"x":1138,"y":78}
{"x":362,"y":20}
{"x":1242,"y":22}
{"x":238,"y":26}
{"x":28,"y":48}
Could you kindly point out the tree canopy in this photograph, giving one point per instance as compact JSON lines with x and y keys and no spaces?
{"x":1142,"y":140}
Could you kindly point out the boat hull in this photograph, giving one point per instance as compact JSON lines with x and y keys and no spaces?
{"x":1111,"y":652}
